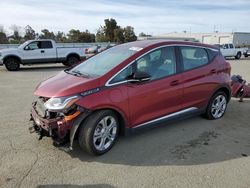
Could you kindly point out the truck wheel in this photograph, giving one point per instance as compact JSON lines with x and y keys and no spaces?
{"x":71,"y":60}
{"x":246,"y":55}
{"x":12,"y":64}
{"x":217,"y":106}
{"x":238,"y":56}
{"x":99,"y":132}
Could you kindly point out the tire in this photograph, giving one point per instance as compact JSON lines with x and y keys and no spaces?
{"x":71,"y":60}
{"x":217,"y":106}
{"x":238,"y":56}
{"x":246,"y":55}
{"x":12,"y":64}
{"x":106,"y":136}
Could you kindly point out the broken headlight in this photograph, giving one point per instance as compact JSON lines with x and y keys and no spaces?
{"x":60,"y":103}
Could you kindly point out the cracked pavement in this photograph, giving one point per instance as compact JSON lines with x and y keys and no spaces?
{"x":190,"y":153}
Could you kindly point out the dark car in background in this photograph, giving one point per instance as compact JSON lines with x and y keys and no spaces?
{"x":246,"y":53}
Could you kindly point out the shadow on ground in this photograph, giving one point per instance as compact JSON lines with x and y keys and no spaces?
{"x":76,"y":186}
{"x":192,"y":141}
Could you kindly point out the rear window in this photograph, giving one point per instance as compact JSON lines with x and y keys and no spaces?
{"x":193,"y":57}
{"x":46,"y":44}
{"x":212,"y":53}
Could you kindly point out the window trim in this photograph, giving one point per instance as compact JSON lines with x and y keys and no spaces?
{"x":178,"y":56}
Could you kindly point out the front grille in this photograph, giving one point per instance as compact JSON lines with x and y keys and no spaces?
{"x":40,"y":108}
{"x":42,"y":111}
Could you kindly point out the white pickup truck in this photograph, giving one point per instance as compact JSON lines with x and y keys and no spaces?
{"x":228,"y":50}
{"x":40,"y":52}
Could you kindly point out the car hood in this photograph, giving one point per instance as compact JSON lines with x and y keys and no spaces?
{"x":64,"y":84}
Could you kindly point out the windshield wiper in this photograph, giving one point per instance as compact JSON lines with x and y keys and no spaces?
{"x":78,"y":73}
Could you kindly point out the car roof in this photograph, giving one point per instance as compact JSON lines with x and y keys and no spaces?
{"x":148,"y":43}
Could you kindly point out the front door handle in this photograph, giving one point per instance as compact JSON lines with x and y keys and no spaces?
{"x":42,"y":51}
{"x":174,"y":83}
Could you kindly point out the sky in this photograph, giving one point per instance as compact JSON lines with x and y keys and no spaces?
{"x":153,"y":17}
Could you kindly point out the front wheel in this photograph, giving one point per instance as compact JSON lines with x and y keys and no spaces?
{"x":217,"y":106}
{"x":99,"y":132}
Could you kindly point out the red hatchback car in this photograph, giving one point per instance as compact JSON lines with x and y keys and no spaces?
{"x":128,"y":87}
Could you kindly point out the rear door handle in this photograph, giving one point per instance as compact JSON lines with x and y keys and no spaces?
{"x":174,"y":83}
{"x":213,"y":71}
{"x":42,"y":51}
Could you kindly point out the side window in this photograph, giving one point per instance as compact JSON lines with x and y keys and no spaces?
{"x":193,"y":57}
{"x":122,"y":75}
{"x":212,"y":53}
{"x":226,"y":46}
{"x":162,"y":64}
{"x":33,"y":46}
{"x":159,"y":63}
{"x":46,"y":44}
{"x":231,"y":46}
{"x":155,"y":55}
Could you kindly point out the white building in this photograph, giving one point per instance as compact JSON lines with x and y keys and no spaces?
{"x":237,"y":38}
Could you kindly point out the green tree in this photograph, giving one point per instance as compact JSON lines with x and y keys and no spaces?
{"x":118,"y":35}
{"x":106,"y":33}
{"x":30,"y":33}
{"x":85,"y":36}
{"x":78,"y":36}
{"x":46,"y":34}
{"x":92,"y":36}
{"x":60,"y":37}
{"x":100,"y":35}
{"x":3,"y":38}
{"x":110,"y":26}
{"x":129,"y":34}
{"x":74,"y":35}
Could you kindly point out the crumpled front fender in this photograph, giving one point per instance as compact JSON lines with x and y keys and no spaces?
{"x":75,"y":127}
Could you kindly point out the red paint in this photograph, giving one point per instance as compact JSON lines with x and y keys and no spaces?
{"x":139,"y":103}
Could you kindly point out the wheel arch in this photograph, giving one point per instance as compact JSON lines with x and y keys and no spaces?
{"x":73,"y":55}
{"x":225,"y":88}
{"x":12,"y":56}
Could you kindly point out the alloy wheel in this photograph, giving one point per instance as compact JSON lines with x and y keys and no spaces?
{"x":219,"y":106}
{"x":105,"y":133}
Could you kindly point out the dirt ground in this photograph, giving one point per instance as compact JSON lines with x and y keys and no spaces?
{"x":190,"y":153}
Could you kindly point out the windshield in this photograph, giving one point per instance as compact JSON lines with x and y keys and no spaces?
{"x":102,"y":63}
{"x":24,"y":44}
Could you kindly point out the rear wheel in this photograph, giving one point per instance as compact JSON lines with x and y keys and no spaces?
{"x":217,"y":106}
{"x":238,"y":56}
{"x":99,"y":132}
{"x":71,"y":60}
{"x":12,"y":64}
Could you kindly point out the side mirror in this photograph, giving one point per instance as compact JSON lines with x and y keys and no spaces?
{"x":139,"y":76}
{"x":27,"y":48}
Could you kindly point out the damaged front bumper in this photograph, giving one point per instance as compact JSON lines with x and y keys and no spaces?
{"x":61,"y":129}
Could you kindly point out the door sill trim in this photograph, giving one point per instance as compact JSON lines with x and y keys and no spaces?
{"x":167,"y":116}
